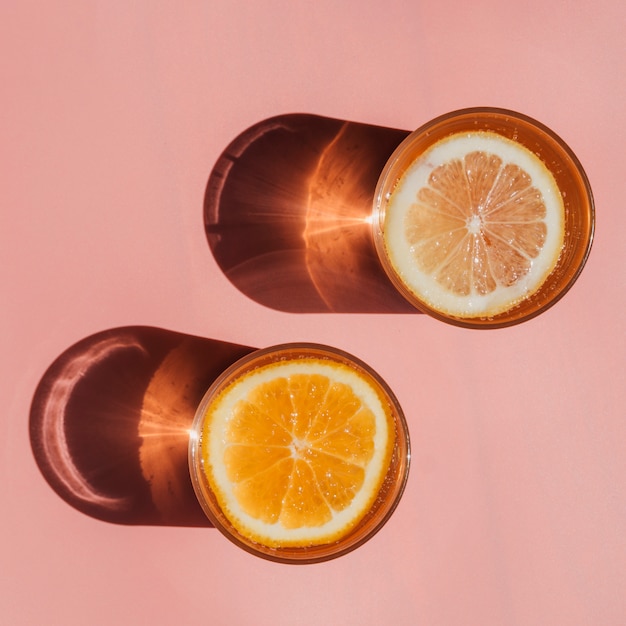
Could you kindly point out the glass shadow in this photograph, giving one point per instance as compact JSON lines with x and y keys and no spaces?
{"x":287,"y":213}
{"x":110,"y":418}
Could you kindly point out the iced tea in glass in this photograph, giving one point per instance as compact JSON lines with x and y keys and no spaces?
{"x":299,"y":453}
{"x":483,"y":218}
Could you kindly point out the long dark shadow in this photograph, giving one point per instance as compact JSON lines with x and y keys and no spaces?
{"x":288,"y":215}
{"x":110,"y":418}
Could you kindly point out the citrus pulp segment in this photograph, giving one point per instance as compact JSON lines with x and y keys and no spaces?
{"x":475,"y":225}
{"x":296,"y":451}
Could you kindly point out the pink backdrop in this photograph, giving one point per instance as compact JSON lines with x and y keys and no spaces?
{"x":113,"y":116}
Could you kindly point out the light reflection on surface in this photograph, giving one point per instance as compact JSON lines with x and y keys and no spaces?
{"x":54,"y":444}
{"x":340,"y":254}
{"x":110,"y":420}
{"x":168,"y":408}
{"x":287,"y":214}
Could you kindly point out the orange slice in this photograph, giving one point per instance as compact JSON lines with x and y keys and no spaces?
{"x":296,"y":451}
{"x":475,"y":225}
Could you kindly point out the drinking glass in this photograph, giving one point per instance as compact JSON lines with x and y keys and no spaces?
{"x":389,"y":493}
{"x":560,"y":161}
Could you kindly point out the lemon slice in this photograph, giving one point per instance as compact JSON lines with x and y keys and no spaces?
{"x":296,"y":451}
{"x":475,"y":225}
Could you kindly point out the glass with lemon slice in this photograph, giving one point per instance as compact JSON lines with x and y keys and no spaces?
{"x":483,"y":218}
{"x":299,"y":453}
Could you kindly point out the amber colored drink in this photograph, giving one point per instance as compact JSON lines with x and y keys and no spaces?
{"x":299,"y":453}
{"x":566,"y":171}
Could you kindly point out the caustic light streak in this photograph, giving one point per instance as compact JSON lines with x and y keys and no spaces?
{"x":53,"y":438}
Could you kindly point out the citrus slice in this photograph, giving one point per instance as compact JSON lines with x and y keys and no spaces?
{"x":475,"y":225}
{"x":296,"y":451}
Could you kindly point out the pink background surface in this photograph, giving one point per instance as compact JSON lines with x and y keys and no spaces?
{"x":113,"y":115}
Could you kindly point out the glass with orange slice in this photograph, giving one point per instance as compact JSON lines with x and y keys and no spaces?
{"x":483,"y":218}
{"x":299,"y":453}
